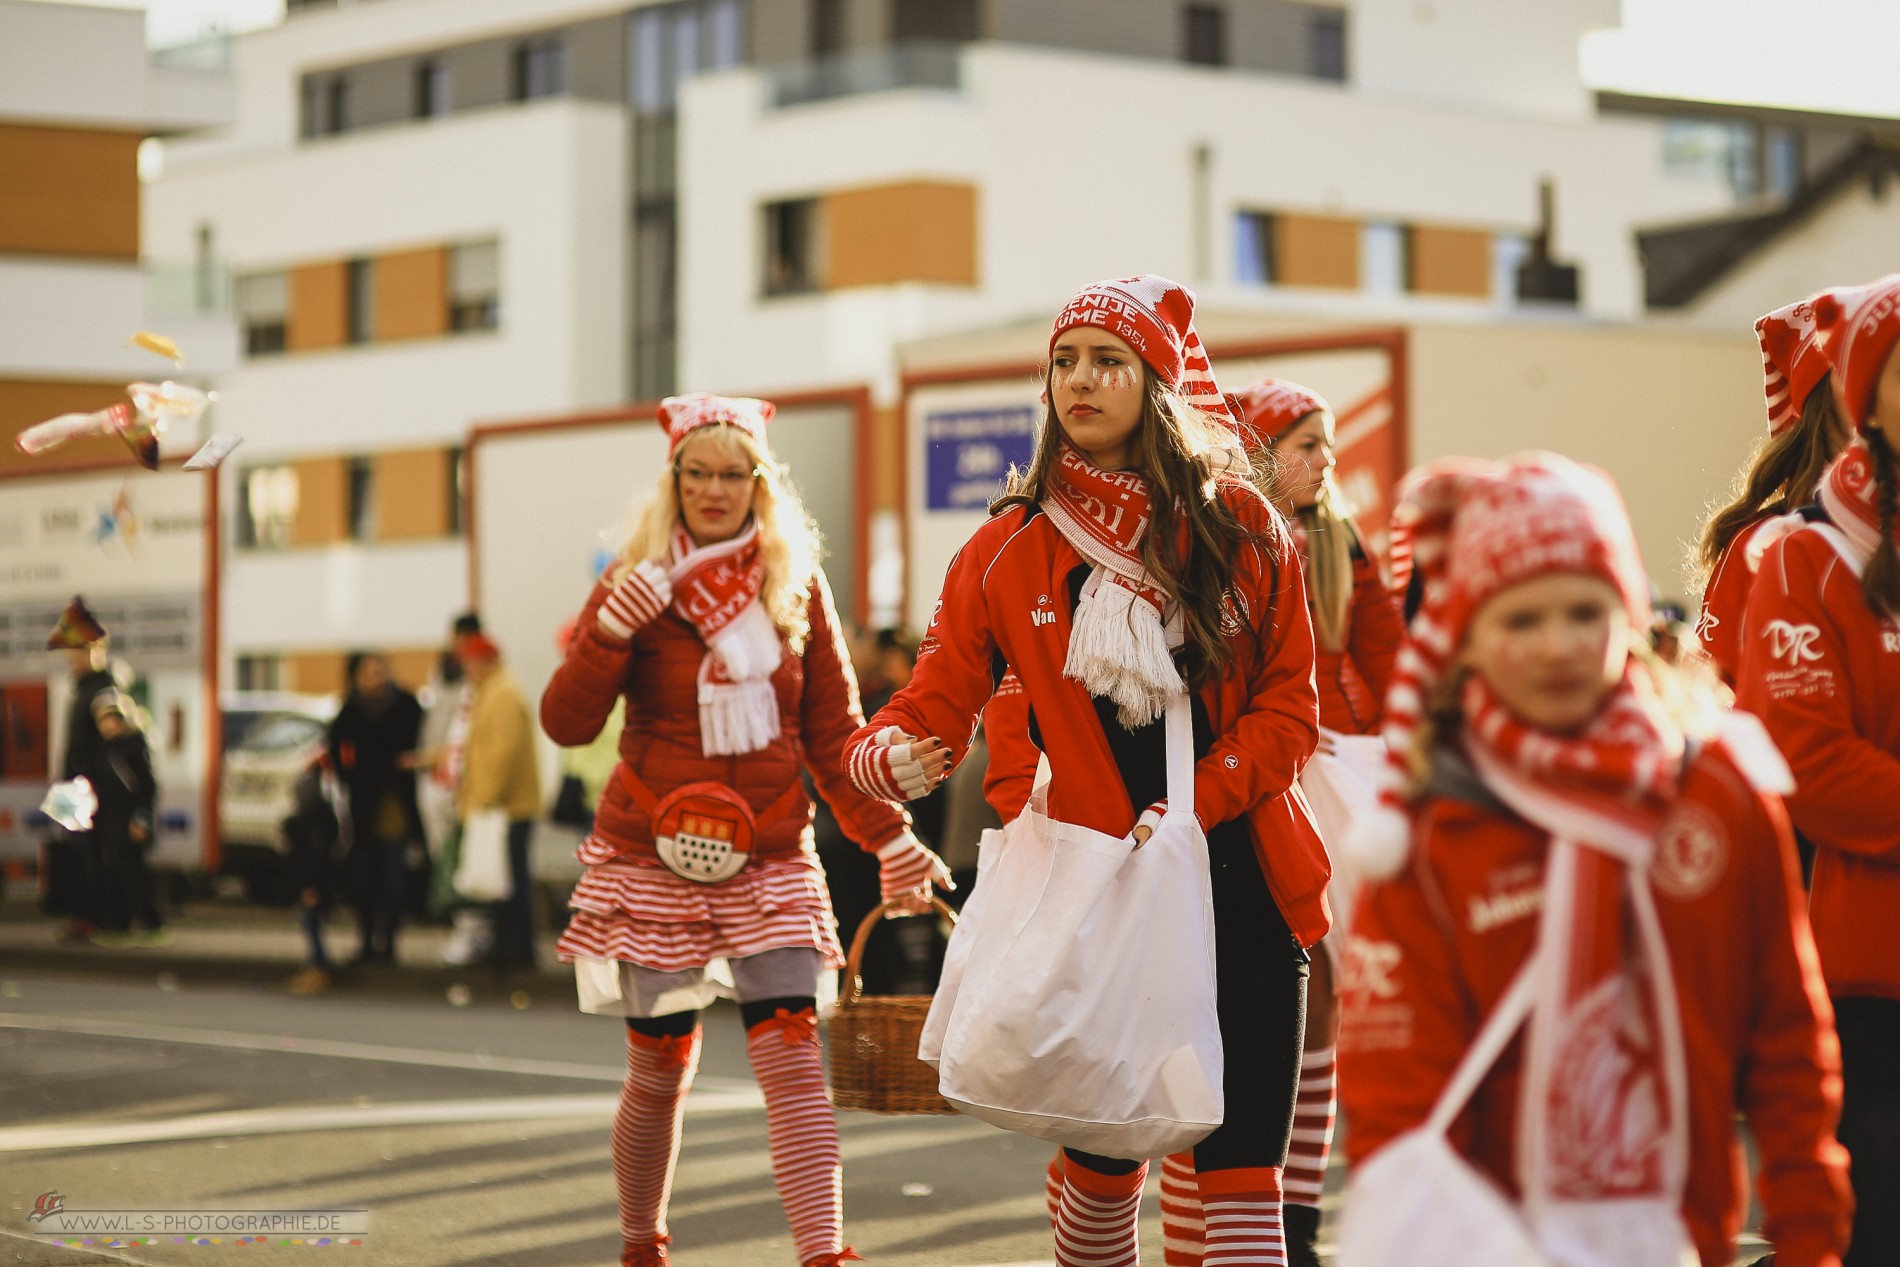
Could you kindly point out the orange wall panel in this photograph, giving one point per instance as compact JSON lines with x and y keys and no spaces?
{"x":323,"y":502}
{"x":1451,"y":261}
{"x":69,"y":191}
{"x":412,"y":491}
{"x":412,"y":293}
{"x":920,"y":231}
{"x":323,"y":672}
{"x":1316,"y":251}
{"x":24,"y":402}
{"x":319,"y":306}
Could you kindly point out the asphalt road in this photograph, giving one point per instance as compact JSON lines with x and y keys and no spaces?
{"x":473,"y":1135}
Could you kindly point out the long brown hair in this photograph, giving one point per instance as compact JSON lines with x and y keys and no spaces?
{"x":1781,"y":475}
{"x":1881,"y":581}
{"x":1330,"y":537}
{"x":1179,"y":451}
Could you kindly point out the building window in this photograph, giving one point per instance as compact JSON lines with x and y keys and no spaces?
{"x":458,"y":489}
{"x":540,"y":68}
{"x":336,"y":104}
{"x":1204,"y":35}
{"x":310,"y":108}
{"x":1385,"y":258}
{"x":475,"y":286}
{"x":263,"y":312}
{"x":362,"y":499}
{"x":791,"y":247}
{"x":1253,"y":248}
{"x":827,"y":28}
{"x":951,"y":21}
{"x":362,"y":301}
{"x":1326,"y":46}
{"x":432,"y":89}
{"x":266,"y":507}
{"x":672,"y":43}
{"x":260,"y":673}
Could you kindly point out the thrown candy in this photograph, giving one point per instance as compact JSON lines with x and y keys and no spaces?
{"x":52,"y":433}
{"x":169,"y":402}
{"x":158,"y":344}
{"x":71,"y":804}
{"x":212,"y":452}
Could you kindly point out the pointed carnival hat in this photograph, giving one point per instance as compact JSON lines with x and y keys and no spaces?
{"x":77,"y":629}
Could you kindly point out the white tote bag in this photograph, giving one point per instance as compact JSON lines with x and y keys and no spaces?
{"x":1340,"y":786}
{"x":1079,"y":986}
{"x":1418,"y":1203}
{"x":482,"y":873}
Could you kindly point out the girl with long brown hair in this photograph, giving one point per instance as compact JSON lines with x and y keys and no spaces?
{"x":1127,"y":573}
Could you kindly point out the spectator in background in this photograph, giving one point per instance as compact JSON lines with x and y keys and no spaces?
{"x":501,"y":772}
{"x":124,"y":826}
{"x":373,"y":747}
{"x":312,"y":832}
{"x":72,"y":871}
{"x":444,"y":737}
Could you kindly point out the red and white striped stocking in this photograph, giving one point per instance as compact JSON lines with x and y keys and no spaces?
{"x":1313,"y":1115}
{"x":803,"y":1134}
{"x":1052,"y":1186}
{"x":1096,"y":1221}
{"x":646,"y":1134}
{"x":1241,"y":1210}
{"x":1181,"y":1229}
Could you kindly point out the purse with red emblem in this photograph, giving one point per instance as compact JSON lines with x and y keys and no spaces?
{"x":705,"y":831}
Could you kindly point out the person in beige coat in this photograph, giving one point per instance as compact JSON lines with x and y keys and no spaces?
{"x":500,"y":771}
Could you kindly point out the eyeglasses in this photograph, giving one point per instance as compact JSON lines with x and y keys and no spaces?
{"x":698,"y":477}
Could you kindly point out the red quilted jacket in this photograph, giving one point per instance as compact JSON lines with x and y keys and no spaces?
{"x":658,"y":672}
{"x":1352,"y":680}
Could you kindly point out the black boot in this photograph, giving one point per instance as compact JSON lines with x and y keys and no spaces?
{"x":1302,"y":1234}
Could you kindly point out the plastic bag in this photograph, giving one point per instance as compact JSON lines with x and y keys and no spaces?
{"x":1078,"y":1002}
{"x":481,"y":874}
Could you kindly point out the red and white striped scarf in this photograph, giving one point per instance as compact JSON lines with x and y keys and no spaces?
{"x":1603,"y":1112}
{"x":1851,"y":498}
{"x":1118,"y":642}
{"x":716,"y":589}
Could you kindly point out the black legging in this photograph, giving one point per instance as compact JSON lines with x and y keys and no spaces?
{"x":680,"y":1024}
{"x":1870,"y":1123}
{"x":1260,"y":974}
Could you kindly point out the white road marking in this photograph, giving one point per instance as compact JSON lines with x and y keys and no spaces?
{"x":20,"y":1139}
{"x":90,"y":1251}
{"x":478,"y":1061}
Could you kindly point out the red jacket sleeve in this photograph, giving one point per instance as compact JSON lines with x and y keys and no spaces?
{"x":1011,"y":774}
{"x":1258,"y":754}
{"x":953,"y":678}
{"x":829,"y":714}
{"x":1378,"y":626}
{"x":1404,"y":1023}
{"x":1805,"y":698}
{"x":1725,"y":606}
{"x":1790,"y":1084}
{"x":582,"y":691}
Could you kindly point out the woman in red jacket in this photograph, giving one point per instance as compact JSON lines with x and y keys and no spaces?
{"x":1556,"y":852}
{"x":1805,"y":431}
{"x":718,"y":630}
{"x":1821,"y":664}
{"x":1126,"y":524}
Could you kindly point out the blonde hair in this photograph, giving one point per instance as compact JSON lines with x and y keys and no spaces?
{"x":1330,"y":536}
{"x":789,"y":542}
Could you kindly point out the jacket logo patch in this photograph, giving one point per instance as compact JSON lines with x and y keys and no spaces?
{"x":1691,"y":853}
{"x":1489,"y":911}
{"x":1042,"y":618}
{"x":1890,"y":642}
{"x":1793,"y":643}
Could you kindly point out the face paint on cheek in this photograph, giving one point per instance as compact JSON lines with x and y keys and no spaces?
{"x":1121,"y":379}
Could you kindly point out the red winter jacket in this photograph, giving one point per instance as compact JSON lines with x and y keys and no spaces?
{"x":658,"y":673}
{"x":1724,"y":603}
{"x":1352,"y":680}
{"x":1006,"y":592}
{"x":1011,"y":774}
{"x":1824,"y":674}
{"x":1433,"y":950}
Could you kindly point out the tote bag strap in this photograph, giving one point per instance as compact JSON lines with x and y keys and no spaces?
{"x":1484,"y":1051}
{"x":1180,"y":735}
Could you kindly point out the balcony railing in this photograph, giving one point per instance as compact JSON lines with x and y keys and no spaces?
{"x":212,"y":53}
{"x":912,"y":65}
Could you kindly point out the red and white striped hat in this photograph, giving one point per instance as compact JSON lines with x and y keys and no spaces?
{"x":1793,"y":362}
{"x":683,"y":415}
{"x":1271,"y":405}
{"x":1155,"y":316}
{"x":1860,"y":325}
{"x":1477,"y":528}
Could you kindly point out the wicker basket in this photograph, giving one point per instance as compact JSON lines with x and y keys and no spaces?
{"x":873,"y":1065}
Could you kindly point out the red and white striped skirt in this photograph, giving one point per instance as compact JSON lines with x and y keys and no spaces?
{"x":651,"y":917}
